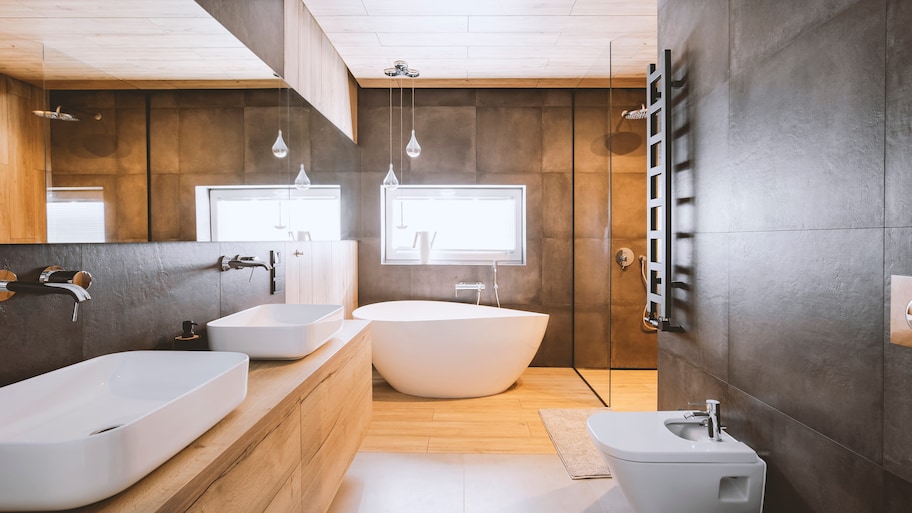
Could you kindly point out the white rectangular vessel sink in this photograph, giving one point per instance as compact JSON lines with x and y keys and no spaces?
{"x":85,"y":432}
{"x":276,"y":331}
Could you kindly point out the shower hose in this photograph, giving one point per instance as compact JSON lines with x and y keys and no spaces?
{"x":646,"y":325}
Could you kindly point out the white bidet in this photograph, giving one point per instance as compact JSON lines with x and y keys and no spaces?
{"x":665,"y":461}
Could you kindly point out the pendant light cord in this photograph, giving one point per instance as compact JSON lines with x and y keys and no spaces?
{"x":401,"y":146}
{"x":391,"y":122}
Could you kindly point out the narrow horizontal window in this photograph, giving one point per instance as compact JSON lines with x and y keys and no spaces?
{"x":268,"y":213}
{"x":466,"y":224}
{"x":75,"y":214}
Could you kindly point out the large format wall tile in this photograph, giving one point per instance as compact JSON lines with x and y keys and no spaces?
{"x":703,"y":308}
{"x":805,"y":472}
{"x":897,"y":401}
{"x":898,"y":150}
{"x":806,"y":329}
{"x":792,"y":149}
{"x":760,"y":29}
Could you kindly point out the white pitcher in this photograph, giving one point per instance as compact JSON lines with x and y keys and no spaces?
{"x":424,"y":241}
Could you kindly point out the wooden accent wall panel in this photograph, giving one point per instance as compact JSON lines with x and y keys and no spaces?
{"x":23,"y":215}
{"x":314,"y":69}
{"x":323,"y":272}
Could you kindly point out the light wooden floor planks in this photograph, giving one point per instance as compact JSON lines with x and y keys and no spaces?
{"x":506,"y":423}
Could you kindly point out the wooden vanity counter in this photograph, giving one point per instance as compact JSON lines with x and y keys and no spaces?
{"x":286,"y":448}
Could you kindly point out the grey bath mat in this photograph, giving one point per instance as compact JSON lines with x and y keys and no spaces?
{"x":567,"y":429}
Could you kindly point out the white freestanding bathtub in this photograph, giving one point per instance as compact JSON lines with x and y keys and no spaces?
{"x":449,"y":350}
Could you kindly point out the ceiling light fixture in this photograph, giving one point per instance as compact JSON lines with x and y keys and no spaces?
{"x":400,"y":69}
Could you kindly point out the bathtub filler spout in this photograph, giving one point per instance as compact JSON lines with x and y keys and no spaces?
{"x":477,"y":287}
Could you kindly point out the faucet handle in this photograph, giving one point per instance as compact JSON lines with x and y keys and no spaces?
{"x":56,"y":274}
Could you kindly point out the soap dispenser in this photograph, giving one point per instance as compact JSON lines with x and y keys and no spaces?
{"x":188,"y":333}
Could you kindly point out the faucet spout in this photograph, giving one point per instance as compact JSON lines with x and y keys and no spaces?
{"x":76,"y":292}
{"x":239,"y":262}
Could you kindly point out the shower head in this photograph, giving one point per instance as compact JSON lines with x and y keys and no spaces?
{"x":635,"y":114}
{"x":61,"y":116}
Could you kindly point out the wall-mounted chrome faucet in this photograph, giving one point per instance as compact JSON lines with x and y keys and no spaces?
{"x":53,"y":280}
{"x":238,"y":262}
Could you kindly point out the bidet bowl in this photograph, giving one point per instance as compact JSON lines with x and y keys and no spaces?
{"x":689,"y":429}
{"x":276,"y":331}
{"x":85,"y":432}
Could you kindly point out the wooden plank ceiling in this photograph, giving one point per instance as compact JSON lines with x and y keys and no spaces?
{"x":523,"y":43}
{"x":464,"y":43}
{"x":115,"y":44}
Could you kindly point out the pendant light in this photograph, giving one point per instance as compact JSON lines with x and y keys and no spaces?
{"x":302,"y":181}
{"x":390,"y":182}
{"x":399,"y":69}
{"x":279,"y":148}
{"x":413,"y":149}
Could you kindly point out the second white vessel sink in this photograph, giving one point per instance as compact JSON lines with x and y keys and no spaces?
{"x":276,"y":331}
{"x":85,"y":432}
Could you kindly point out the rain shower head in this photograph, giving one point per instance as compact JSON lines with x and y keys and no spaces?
{"x":640,"y":113}
{"x":60,"y":116}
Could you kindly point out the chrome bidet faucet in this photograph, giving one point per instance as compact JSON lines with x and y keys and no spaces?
{"x":713,"y":420}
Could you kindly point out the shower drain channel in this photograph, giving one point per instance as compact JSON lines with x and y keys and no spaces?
{"x":104,"y":429}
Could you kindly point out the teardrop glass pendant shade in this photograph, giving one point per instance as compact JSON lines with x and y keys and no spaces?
{"x":413,"y":149}
{"x":390,"y":182}
{"x":302,"y":181}
{"x":279,"y":149}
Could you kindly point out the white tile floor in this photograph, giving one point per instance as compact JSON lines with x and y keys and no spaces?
{"x":471,"y":483}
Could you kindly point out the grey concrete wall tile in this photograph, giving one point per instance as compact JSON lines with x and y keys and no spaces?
{"x":512,"y":139}
{"x":793,"y":149}
{"x":703,"y":307}
{"x":796,"y":456}
{"x":632,"y":347}
{"x":447,"y":136}
{"x":556,"y":348}
{"x":591,"y":260}
{"x":591,"y":131}
{"x":557,"y":276}
{"x":164,"y":145}
{"x":628,"y":205}
{"x":557,"y":139}
{"x":760,"y":29}
{"x":510,"y":97}
{"x":810,"y":331}
{"x":591,"y":336}
{"x":898,"y":149}
{"x":897,"y":403}
{"x":591,"y":205}
{"x":211,"y":140}
{"x":557,"y":205}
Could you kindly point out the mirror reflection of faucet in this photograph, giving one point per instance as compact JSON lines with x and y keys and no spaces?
{"x":53,"y":280}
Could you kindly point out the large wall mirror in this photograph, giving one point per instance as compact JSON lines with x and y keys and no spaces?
{"x":132,"y":159}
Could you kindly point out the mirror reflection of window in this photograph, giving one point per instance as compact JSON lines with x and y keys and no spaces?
{"x":269,"y":213}
{"x":75,"y":214}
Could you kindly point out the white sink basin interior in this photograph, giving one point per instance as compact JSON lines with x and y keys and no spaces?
{"x":85,"y":432}
{"x":276,"y":331}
